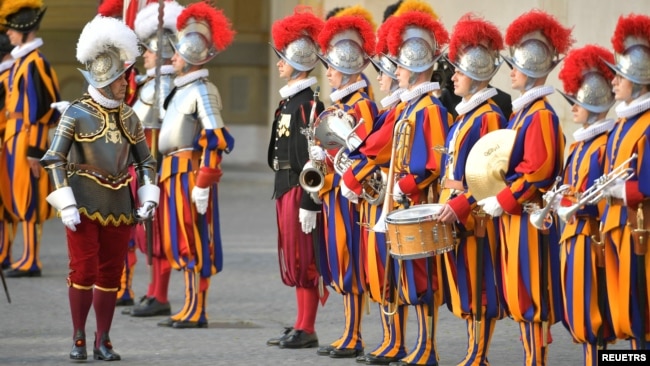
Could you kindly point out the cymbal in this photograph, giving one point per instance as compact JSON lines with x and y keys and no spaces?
{"x":487,"y":163}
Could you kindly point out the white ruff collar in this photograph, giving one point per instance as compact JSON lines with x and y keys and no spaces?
{"x":424,"y":88}
{"x":531,"y":95}
{"x":293,"y":89}
{"x":392,"y":99}
{"x":4,"y":65}
{"x":164,"y":70}
{"x":101,"y":99}
{"x":190,"y":77}
{"x":342,"y":93}
{"x":23,"y":50}
{"x":637,"y":106}
{"x":593,"y":130}
{"x":476,"y":100}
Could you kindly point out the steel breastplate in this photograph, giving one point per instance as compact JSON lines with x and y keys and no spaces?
{"x":144,"y":105}
{"x":194,"y":107}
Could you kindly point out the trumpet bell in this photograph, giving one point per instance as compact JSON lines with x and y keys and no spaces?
{"x":311,"y":180}
{"x":333,"y":128}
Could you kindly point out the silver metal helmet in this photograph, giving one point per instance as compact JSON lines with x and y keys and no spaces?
{"x":168,"y":39}
{"x":105,"y":68}
{"x":384,"y":64}
{"x":301,"y":54}
{"x":345,"y":53}
{"x":595,"y":93}
{"x":195,"y":43}
{"x":477,"y":62}
{"x":534,"y":55}
{"x":418,"y":50}
{"x":634,"y":62}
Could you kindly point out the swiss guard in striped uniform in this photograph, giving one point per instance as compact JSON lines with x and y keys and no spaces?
{"x":294,"y":41}
{"x":192,"y":140}
{"x":347,"y":41}
{"x":627,"y":214}
{"x":32,"y":87}
{"x":98,"y":138}
{"x":586,"y":81}
{"x":530,"y":257}
{"x":472,"y":290}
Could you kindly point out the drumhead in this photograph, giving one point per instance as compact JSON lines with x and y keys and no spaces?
{"x":417,"y":213}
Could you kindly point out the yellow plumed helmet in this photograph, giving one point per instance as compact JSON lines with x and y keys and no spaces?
{"x":415,"y":5}
{"x":21,"y":15}
{"x":360,"y":11}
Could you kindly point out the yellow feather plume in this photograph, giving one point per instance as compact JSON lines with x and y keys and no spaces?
{"x":11,"y":6}
{"x":415,"y":5}
{"x":358,"y":10}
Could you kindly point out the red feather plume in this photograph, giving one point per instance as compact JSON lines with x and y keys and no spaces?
{"x":580,"y":60}
{"x":337,"y":24}
{"x":301,"y":22}
{"x":537,"y":20}
{"x":472,"y":31}
{"x":382,"y":36}
{"x":111,"y":8}
{"x":222,"y":32}
{"x":633,"y":25}
{"x":418,"y":19}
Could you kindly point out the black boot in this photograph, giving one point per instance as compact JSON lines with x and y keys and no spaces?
{"x":105,"y":350}
{"x":79,"y":347}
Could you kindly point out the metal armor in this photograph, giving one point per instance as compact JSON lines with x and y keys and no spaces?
{"x":91,"y":152}
{"x":143,"y":107}
{"x":194,"y":107}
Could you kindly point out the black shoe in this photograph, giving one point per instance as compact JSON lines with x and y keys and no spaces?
{"x":362,"y":359}
{"x":300,"y":339}
{"x":185,"y":324}
{"x":78,"y":352}
{"x":152,"y":308}
{"x":16,"y":273}
{"x":168,"y":322}
{"x":284,"y":335}
{"x":124,"y":302}
{"x":380,"y":360}
{"x":325,"y":350}
{"x":346,"y":353}
{"x":141,"y":303}
{"x":5,"y":265}
{"x":105,"y":351}
{"x":402,"y":363}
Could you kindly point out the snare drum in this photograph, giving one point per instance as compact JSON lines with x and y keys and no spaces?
{"x":414,"y":232}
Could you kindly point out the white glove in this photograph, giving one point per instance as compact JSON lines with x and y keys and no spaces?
{"x":554,"y":202}
{"x":200,"y":198}
{"x":397,"y":193}
{"x":307,"y":220}
{"x":145,"y":211}
{"x":70,"y":217}
{"x":616,"y":189}
{"x":60,"y":106}
{"x":348,"y":193}
{"x":316,"y":153}
{"x":491,"y":206}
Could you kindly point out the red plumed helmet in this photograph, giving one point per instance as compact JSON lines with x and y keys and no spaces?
{"x":586,"y":79}
{"x":416,"y":39}
{"x":347,"y":42}
{"x":474,"y":47}
{"x":294,"y":38}
{"x":536,"y":39}
{"x":382,"y":62}
{"x":203,"y":31}
{"x":631,"y":42}
{"x":111,"y":8}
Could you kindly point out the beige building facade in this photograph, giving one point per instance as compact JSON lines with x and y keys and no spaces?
{"x":246,"y":73}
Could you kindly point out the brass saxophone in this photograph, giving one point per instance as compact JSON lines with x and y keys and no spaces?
{"x":312,"y":179}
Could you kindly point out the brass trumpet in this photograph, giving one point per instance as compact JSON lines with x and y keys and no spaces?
{"x":542,"y":219}
{"x":595,"y":193}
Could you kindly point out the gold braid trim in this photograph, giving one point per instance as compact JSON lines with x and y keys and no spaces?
{"x":114,"y":289}
{"x":111,"y":219}
{"x":79,"y":287}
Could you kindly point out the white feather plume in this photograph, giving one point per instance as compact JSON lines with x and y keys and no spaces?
{"x":103,"y":32}
{"x":146,"y":21}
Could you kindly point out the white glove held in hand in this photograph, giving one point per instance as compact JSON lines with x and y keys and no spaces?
{"x":348,"y":193}
{"x":146,"y":210}
{"x":70,"y":217}
{"x":307,"y":220}
{"x":200,"y":198}
{"x":60,"y":106}
{"x":397,"y":192}
{"x":616,"y":189}
{"x":316,"y":153}
{"x":491,"y":206}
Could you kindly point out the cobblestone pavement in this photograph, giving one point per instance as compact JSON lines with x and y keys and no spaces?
{"x":247,"y":305}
